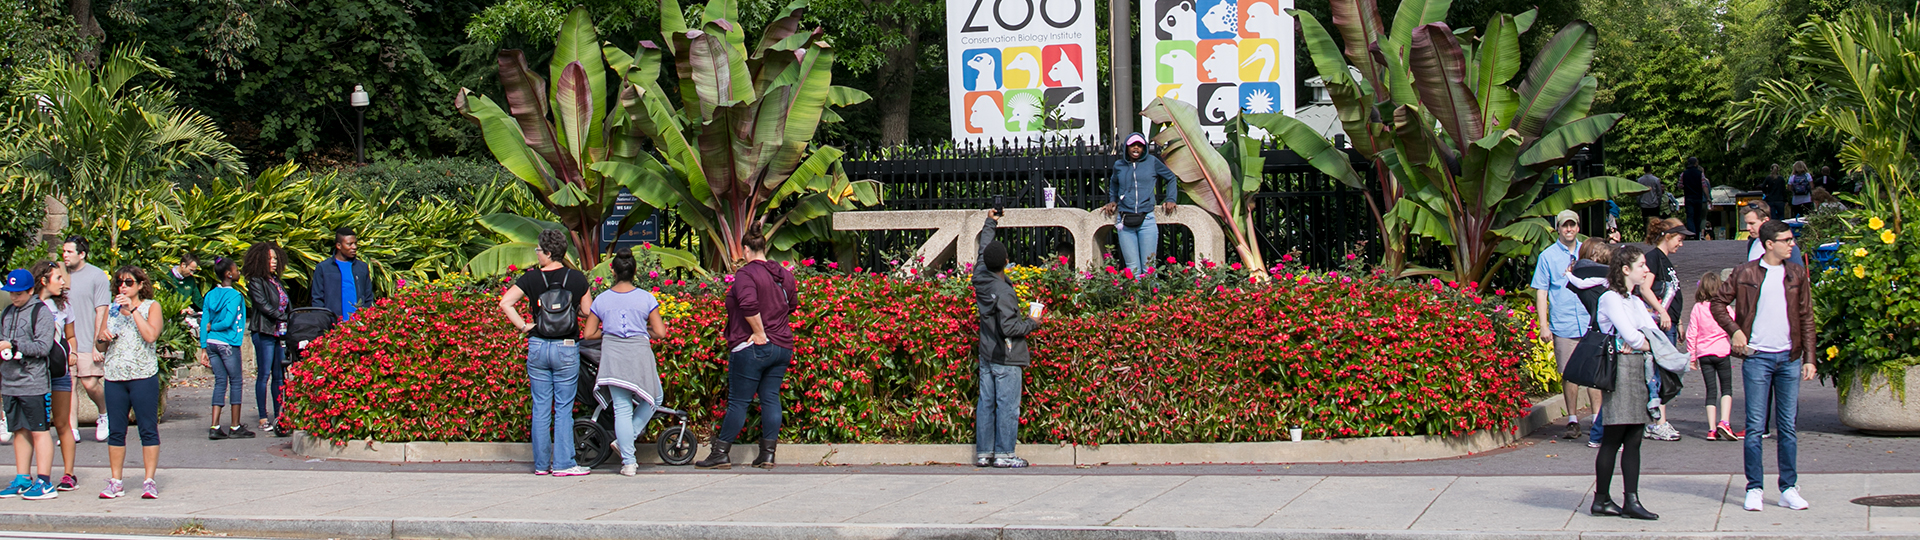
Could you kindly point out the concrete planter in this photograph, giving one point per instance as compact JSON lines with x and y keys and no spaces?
{"x":1877,"y":410}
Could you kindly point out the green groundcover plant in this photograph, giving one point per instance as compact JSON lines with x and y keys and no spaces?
{"x":1191,"y":353}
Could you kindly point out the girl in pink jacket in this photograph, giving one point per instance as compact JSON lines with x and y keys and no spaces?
{"x":1710,"y":347}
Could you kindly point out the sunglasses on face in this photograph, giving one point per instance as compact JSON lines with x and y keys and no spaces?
{"x":129,"y":282}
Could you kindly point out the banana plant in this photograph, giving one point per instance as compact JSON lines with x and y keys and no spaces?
{"x":1219,"y":181}
{"x":735,"y":151}
{"x":1461,"y":155}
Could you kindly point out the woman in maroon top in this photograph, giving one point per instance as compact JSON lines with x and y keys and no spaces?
{"x":761,"y":341}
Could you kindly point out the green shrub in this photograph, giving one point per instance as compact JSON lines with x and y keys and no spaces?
{"x":1869,"y":307}
{"x":414,"y":180}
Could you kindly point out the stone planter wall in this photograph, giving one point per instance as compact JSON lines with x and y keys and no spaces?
{"x":1876,"y":410}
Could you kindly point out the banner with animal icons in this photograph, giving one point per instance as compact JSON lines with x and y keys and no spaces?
{"x":1022,"y":70}
{"x":1223,"y":56}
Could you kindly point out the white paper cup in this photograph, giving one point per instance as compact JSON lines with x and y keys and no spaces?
{"x":1034,"y":309}
{"x":1046,"y":197}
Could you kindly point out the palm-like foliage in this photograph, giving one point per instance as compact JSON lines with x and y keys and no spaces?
{"x":98,"y":138}
{"x":1863,"y":91}
{"x":1460,"y":155}
{"x":1220,"y":181}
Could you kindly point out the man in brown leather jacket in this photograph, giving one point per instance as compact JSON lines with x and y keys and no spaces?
{"x":1772,"y":325}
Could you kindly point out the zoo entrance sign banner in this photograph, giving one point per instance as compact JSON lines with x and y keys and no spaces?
{"x":1222,"y":56}
{"x":1022,"y":70}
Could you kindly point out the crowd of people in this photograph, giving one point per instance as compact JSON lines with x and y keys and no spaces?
{"x":71,"y":324}
{"x":1623,"y":302}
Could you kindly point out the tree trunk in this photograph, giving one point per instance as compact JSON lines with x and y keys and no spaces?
{"x":895,"y":93}
{"x":90,"y":32}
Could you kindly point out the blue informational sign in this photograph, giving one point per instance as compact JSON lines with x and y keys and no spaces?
{"x":646,"y":231}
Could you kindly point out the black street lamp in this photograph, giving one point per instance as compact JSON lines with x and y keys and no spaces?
{"x":358,"y":99}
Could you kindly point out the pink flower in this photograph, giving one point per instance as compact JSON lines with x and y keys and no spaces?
{"x":1171,"y":261}
{"x":648,"y":245}
{"x":513,"y":268}
{"x":1063,"y":260}
{"x":1210,"y":264}
{"x":1351,"y":256}
{"x":1235,"y":266}
{"x":1286,"y":257}
{"x":1219,"y":289}
{"x":1110,"y":270}
{"x":653,"y":274}
{"x":807,"y":262}
{"x":728,"y":278}
{"x":833,"y":265}
{"x":1126,"y":273}
{"x":402,"y":283}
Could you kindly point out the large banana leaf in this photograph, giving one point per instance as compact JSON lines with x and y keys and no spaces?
{"x":1360,"y":27}
{"x":1302,"y":139}
{"x":1204,"y":174}
{"x":1440,"y":71}
{"x":1413,"y":14}
{"x":1557,"y":147}
{"x":1554,"y":77}
{"x":1597,"y":188}
{"x":579,"y":43}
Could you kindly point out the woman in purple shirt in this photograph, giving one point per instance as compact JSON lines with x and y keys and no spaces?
{"x":761,"y":341}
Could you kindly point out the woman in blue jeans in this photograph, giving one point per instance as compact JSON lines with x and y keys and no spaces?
{"x":267,"y":309}
{"x":553,"y":350}
{"x":761,"y":341}
{"x":625,"y":319}
{"x":220,"y":324}
{"x":1131,"y":196}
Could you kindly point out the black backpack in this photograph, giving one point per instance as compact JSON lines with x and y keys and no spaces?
{"x":554,"y":315}
{"x":303,"y":326}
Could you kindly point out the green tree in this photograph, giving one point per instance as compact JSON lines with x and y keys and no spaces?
{"x":1660,"y":64}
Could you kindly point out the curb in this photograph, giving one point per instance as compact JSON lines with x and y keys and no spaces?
{"x":420,"y":528}
{"x":1369,"y":449}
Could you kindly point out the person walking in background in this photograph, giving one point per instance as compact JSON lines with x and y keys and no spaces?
{"x":760,"y":341}
{"x":342,"y":283}
{"x":1777,"y":194}
{"x":1827,"y":181}
{"x":133,"y":378}
{"x":1771,"y":323}
{"x":1653,"y":198}
{"x":1801,"y":183}
{"x":51,"y":284}
{"x":1663,"y":293}
{"x":1559,"y":308}
{"x":1004,"y":327}
{"x":559,"y":295}
{"x":625,"y":319}
{"x":27,"y":337}
{"x":1622,"y":409}
{"x":1131,"y":198}
{"x":222,"y":319}
{"x":1711,"y":351}
{"x":268,"y":308}
{"x":1695,"y":187}
{"x":90,"y":293}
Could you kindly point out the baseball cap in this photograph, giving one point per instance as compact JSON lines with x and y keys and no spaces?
{"x":1566,"y":216}
{"x":1136,"y":139}
{"x":18,"y":281}
{"x":1681,"y":230}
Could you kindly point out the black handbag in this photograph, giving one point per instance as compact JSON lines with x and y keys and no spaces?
{"x":1593,"y":362}
{"x":1132,"y":220}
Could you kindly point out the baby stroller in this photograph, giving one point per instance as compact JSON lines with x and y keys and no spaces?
{"x":593,"y":434}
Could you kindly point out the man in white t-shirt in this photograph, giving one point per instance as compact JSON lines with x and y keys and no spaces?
{"x":1772,"y":325}
{"x":87,"y":300}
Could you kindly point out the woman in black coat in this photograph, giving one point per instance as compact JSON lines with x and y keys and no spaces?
{"x":267,"y":309}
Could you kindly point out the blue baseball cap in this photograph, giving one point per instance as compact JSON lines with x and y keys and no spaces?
{"x":18,"y":281}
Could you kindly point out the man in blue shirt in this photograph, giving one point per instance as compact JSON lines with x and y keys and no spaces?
{"x":341,"y":283}
{"x":1559,"y":309}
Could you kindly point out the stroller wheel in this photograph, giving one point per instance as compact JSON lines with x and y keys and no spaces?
{"x":677,"y":445}
{"x":591,"y":444}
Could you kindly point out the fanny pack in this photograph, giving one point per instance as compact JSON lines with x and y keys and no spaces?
{"x":1132,"y":219}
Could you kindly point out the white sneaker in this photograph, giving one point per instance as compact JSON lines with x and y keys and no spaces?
{"x":629,"y":470}
{"x":1790,"y":499}
{"x":1753,"y":500}
{"x":6,"y":437}
{"x":100,"y":429}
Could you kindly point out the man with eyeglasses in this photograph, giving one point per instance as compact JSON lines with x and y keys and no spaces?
{"x":1772,"y":325}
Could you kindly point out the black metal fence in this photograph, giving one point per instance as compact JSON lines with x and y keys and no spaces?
{"x":1300,"y":210}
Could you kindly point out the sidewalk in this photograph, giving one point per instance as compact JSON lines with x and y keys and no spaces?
{"x":973,"y":504}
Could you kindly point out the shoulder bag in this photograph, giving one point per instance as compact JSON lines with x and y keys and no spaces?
{"x":1593,"y":362}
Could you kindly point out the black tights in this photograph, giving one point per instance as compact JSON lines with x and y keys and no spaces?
{"x":1613,"y":440}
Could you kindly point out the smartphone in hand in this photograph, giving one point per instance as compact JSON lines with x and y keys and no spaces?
{"x":999,"y":205}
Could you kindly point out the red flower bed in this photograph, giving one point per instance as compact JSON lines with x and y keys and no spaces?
{"x":880,"y":359}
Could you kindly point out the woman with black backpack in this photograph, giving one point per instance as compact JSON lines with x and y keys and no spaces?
{"x":559,"y":295}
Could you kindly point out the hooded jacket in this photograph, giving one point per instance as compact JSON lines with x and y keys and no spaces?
{"x":1003,"y":324}
{"x":1132,"y":185}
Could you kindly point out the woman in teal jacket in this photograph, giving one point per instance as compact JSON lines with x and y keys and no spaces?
{"x":1131,"y":197}
{"x":221,"y":324}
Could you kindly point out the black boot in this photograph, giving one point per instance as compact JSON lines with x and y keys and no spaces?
{"x":765,"y":459}
{"x":717,"y":457}
{"x":1603,"y":505}
{"x":1634,"y":510}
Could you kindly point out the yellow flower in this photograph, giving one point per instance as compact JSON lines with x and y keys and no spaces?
{"x":1875,"y":223}
{"x":1833,"y":352}
{"x":1886,"y":237}
{"x":1859,"y":252}
{"x":1860,"y":272}
{"x":124,"y":224}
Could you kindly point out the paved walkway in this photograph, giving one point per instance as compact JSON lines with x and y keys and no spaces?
{"x":247,"y":502}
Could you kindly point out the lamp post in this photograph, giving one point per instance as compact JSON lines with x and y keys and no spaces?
{"x":358,"y":99}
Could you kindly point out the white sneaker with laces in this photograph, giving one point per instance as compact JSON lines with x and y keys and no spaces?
{"x":1753,"y":500}
{"x":100,"y":429}
{"x":629,"y":470}
{"x":1791,"y":500}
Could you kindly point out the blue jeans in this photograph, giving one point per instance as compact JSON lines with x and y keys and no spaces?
{"x":554,"y":369}
{"x":269,"y":377}
{"x":1137,"y":245}
{"x":996,"y":420}
{"x":1594,"y":431}
{"x":1776,"y":376}
{"x":229,"y":377}
{"x":756,"y":370}
{"x":630,"y":417}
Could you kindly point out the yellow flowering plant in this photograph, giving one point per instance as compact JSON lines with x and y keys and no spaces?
{"x":1869,"y":313}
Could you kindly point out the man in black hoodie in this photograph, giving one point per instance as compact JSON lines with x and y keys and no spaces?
{"x":1003,"y":354}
